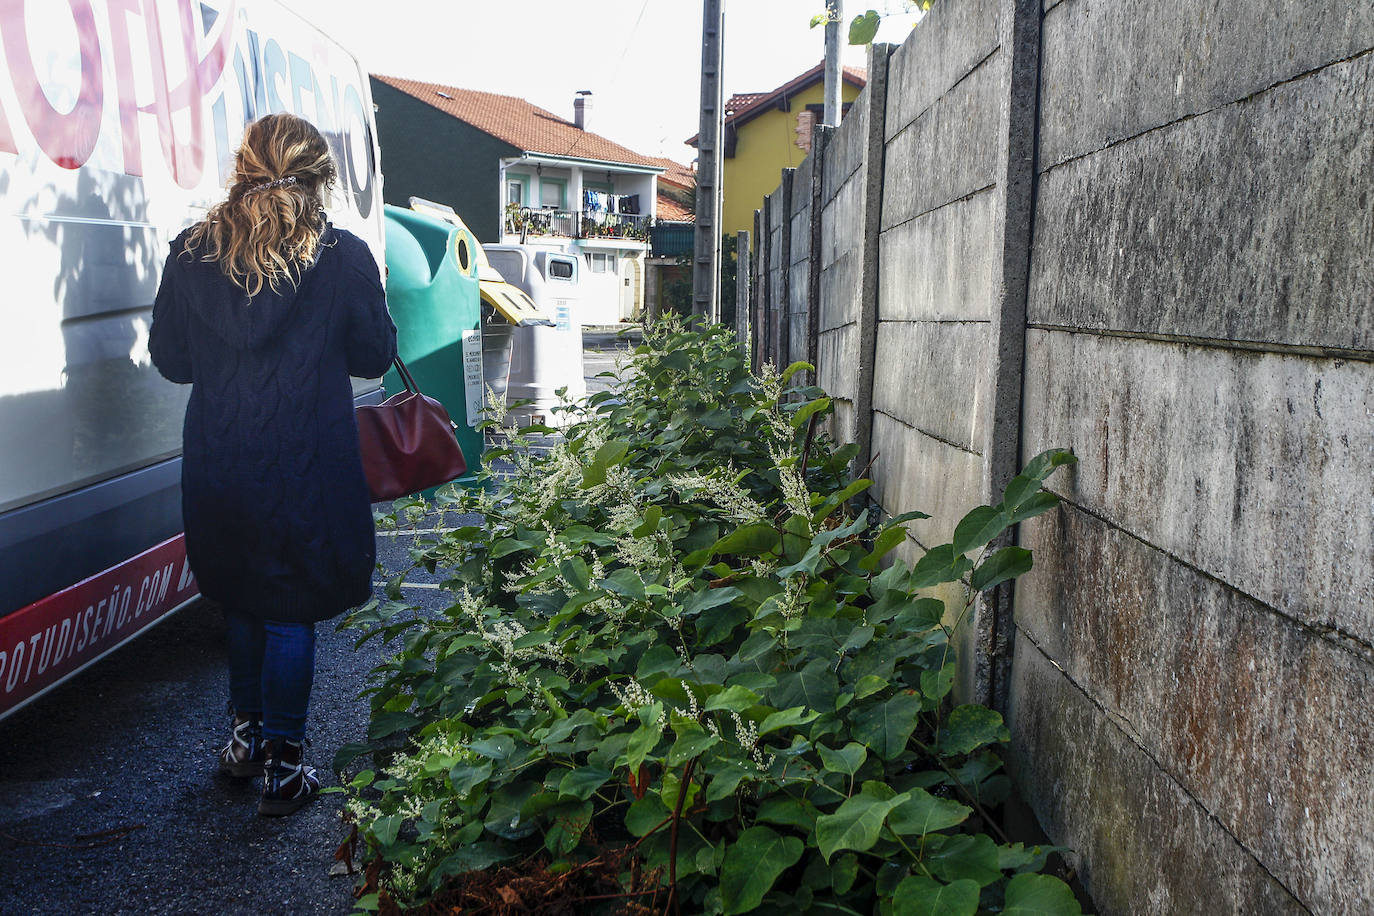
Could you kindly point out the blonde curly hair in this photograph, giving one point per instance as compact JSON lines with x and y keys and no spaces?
{"x":268,"y":228}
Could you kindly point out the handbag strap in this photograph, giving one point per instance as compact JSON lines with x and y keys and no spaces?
{"x":406,"y":379}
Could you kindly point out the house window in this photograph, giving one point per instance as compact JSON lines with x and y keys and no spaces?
{"x":553,"y":193}
{"x":515,"y":191}
{"x":599,"y":262}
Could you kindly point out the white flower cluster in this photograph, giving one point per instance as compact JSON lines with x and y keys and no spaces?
{"x":632,"y":696}
{"x":790,"y":604}
{"x":747,"y":735}
{"x":795,"y":494}
{"x":721,"y":492}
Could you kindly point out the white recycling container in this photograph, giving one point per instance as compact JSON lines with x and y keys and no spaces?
{"x":543,"y":359}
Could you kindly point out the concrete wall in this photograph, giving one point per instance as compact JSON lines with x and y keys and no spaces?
{"x":1145,"y":232}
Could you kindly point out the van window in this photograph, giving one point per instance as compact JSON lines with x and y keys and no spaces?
{"x":563,"y":270}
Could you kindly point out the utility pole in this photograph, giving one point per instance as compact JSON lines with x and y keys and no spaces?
{"x":706,"y":256}
{"x":834,"y":10}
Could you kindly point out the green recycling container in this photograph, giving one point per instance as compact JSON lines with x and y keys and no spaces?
{"x":432,"y":290}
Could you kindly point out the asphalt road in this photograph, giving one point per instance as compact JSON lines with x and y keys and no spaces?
{"x":110,"y":802}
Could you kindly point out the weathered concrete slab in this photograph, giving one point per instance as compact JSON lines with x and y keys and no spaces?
{"x":840,"y":291}
{"x":948,"y":43}
{"x":801,"y":186}
{"x":799,"y":319}
{"x":801,"y":228}
{"x":1114,"y":69}
{"x":934,"y":377}
{"x":1142,"y":844}
{"x":944,"y":264}
{"x":1277,"y":245}
{"x":844,"y":154}
{"x":840,"y":425}
{"x":842,"y":221}
{"x":838,"y":370}
{"x":1222,"y":691}
{"x":1254,"y":467}
{"x":914,"y":471}
{"x":950,"y":150}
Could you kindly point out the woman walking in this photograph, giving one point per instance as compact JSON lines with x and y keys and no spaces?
{"x":266,"y":309}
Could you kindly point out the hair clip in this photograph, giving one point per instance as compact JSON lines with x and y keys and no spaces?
{"x":268,"y":185}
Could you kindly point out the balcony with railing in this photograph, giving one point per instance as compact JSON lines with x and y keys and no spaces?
{"x":573,"y":224}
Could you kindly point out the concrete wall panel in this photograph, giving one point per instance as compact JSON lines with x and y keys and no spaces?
{"x":929,"y":375}
{"x":1254,"y":467}
{"x":952,"y":40}
{"x":1219,"y":689}
{"x":1115,"y":68}
{"x":840,"y":292}
{"x":949,"y":151}
{"x":842,"y":222}
{"x":942,"y":265}
{"x":914,"y":471}
{"x":844,"y":154}
{"x":1156,"y":236}
{"x":1142,"y":843}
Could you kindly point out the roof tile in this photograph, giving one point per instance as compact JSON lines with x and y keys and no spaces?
{"x":518,"y":122}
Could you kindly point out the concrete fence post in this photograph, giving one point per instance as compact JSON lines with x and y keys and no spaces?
{"x":820,"y":144}
{"x":743,"y":262}
{"x":756,"y":289}
{"x":763,"y":332}
{"x":874,"y":145}
{"x":783,"y":326}
{"x":1003,"y":458}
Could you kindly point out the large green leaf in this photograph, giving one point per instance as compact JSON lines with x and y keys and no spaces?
{"x":855,"y":824}
{"x":787,"y":718}
{"x":846,"y":760}
{"x":806,"y":410}
{"x":1007,"y":563}
{"x":788,"y":811}
{"x":583,"y":781}
{"x":1040,"y":895}
{"x":815,"y":686}
{"x":752,"y":864}
{"x":1043,"y":464}
{"x":978,"y":527}
{"x":940,"y":564}
{"x":732,"y":699}
{"x":969,"y":728}
{"x":883,"y":544}
{"x":607,"y":456}
{"x":960,"y":856}
{"x":922,"y":896}
{"x":642,"y":742}
{"x":923,"y":813}
{"x":886,"y":727}
{"x":864,"y":27}
{"x":748,"y":540}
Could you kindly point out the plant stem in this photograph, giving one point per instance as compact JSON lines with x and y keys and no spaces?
{"x":683,"y":785}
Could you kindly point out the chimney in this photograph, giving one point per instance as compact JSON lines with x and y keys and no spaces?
{"x":582,"y":105}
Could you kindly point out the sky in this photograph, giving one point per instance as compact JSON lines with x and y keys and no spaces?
{"x":640,"y":58}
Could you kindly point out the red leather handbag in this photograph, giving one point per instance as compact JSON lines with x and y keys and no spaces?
{"x":407,"y":443}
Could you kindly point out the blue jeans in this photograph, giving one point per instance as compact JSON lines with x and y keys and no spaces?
{"x":271,"y":669}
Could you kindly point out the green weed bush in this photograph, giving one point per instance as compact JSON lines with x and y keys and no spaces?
{"x":672,"y":638}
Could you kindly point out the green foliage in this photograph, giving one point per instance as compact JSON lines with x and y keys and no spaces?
{"x":863,"y":28}
{"x":671,"y":638}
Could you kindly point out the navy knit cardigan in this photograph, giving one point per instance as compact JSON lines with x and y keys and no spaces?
{"x":277,"y":512}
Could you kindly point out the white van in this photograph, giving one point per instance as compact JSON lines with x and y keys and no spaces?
{"x":118,"y":126}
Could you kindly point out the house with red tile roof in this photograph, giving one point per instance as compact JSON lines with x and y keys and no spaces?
{"x":517,"y":173}
{"x":766,"y":132}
